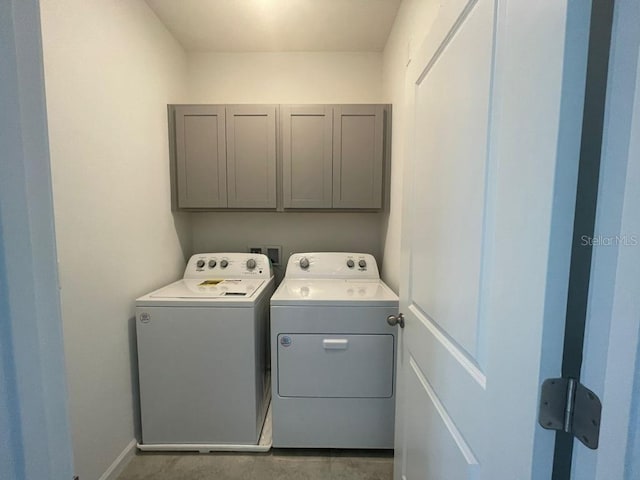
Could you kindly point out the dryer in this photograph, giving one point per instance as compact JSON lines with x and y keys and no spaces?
{"x":333,"y":354}
{"x":203,"y":356}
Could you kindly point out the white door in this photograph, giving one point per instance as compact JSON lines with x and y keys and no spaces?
{"x":611,"y":356}
{"x":496,"y":93}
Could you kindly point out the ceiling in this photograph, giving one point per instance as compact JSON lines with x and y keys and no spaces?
{"x":278,"y":25}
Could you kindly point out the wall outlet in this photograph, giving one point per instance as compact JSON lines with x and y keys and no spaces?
{"x":274,"y":253}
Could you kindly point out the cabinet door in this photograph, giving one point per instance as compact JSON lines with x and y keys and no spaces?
{"x":251,"y":156}
{"x":201,"y":163}
{"x":358,"y":156}
{"x":307,"y":156}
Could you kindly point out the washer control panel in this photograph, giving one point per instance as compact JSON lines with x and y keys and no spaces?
{"x":228,"y":265}
{"x":332,"y":265}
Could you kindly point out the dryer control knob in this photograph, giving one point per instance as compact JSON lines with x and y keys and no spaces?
{"x":200,"y":263}
{"x":224,"y":263}
{"x":304,"y":263}
{"x":350,"y":263}
{"x":251,"y":264}
{"x":212,"y":263}
{"x":362,"y":264}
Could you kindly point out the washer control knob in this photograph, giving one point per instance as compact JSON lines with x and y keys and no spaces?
{"x":251,"y":264}
{"x":200,"y":263}
{"x":212,"y":263}
{"x":224,"y":263}
{"x":362,"y":264}
{"x":350,"y":263}
{"x":304,"y":263}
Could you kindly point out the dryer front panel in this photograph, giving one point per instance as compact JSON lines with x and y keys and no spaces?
{"x":335,"y":366}
{"x":332,"y":373}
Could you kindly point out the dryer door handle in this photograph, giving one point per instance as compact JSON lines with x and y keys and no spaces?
{"x":335,"y":343}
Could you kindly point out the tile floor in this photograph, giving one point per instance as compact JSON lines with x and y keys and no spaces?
{"x":278,"y":464}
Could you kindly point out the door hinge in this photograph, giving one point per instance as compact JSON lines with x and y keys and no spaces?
{"x":567,"y":405}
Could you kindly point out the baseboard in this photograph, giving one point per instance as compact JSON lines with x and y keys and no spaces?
{"x":120,"y":462}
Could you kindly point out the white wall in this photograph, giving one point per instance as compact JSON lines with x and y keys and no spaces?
{"x":298,"y":77}
{"x":287,"y":77}
{"x":412,"y":23}
{"x":110,"y":70}
{"x":294,"y":231}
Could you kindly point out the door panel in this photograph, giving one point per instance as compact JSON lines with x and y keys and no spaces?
{"x":445,"y":454}
{"x":440,"y":362}
{"x":487,"y":205}
{"x":452,"y":168}
{"x":447,"y":250}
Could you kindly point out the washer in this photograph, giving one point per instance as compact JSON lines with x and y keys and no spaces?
{"x":203,"y":356}
{"x":333,"y":354}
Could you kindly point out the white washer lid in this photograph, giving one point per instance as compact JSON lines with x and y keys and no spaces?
{"x":185,"y":296}
{"x":208,"y":288}
{"x":327,"y":292}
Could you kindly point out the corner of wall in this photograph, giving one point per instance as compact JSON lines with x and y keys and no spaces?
{"x":411,"y":26}
{"x":110,"y":70}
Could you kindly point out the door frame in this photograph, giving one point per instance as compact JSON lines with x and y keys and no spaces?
{"x":611,"y":351}
{"x":33,"y":403}
{"x":600,"y":26}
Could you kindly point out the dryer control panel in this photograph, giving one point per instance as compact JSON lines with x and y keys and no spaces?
{"x":344,"y":265}
{"x":228,"y":265}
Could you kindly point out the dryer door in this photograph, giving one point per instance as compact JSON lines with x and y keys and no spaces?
{"x":335,"y":366}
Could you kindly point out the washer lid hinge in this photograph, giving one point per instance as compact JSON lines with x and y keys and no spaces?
{"x":569,"y":406}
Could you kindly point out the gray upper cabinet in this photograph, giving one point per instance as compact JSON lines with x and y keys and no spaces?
{"x":201,"y":163}
{"x":307,"y":139}
{"x":358,"y":156}
{"x":332,"y":156}
{"x":278,"y":156}
{"x":225,"y":156}
{"x":251,"y":156}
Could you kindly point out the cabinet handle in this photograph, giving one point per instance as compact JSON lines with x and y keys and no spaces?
{"x":335,"y":343}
